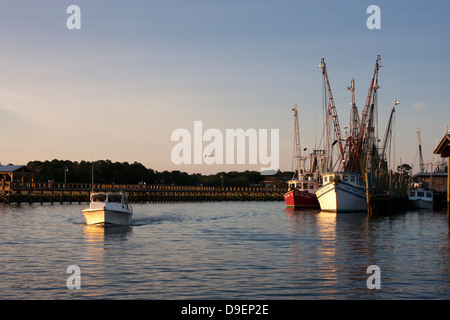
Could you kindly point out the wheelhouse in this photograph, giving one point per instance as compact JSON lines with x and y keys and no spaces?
{"x":421,"y":194}
{"x":347,"y":177}
{"x":109,"y":197}
{"x":304,"y":185}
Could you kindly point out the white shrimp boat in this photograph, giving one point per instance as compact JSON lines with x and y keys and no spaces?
{"x":108,"y":208}
{"x":342,"y":192}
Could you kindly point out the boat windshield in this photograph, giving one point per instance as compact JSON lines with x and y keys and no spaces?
{"x":115,"y":198}
{"x":99,"y":198}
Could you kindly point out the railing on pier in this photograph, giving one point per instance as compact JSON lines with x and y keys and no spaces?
{"x":43,"y":192}
{"x":43,"y":186}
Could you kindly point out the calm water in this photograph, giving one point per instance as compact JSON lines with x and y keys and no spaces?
{"x":222,"y":250}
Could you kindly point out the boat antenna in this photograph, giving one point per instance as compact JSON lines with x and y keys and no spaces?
{"x":92,"y":176}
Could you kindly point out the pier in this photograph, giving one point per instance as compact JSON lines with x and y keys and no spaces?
{"x":31,"y":192}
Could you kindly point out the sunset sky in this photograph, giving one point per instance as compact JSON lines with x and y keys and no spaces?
{"x":138,"y":70}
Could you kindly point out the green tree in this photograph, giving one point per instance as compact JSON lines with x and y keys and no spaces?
{"x":404,"y":169}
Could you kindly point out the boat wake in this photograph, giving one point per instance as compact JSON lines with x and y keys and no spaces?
{"x":140,"y":220}
{"x":158,"y":219}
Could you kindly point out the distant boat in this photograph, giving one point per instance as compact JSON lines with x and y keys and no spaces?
{"x":108,"y":208}
{"x":420,"y":198}
{"x":301,"y":191}
{"x":342,"y":192}
{"x":419,"y":195}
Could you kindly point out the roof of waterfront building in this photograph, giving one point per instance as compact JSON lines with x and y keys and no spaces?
{"x":15,"y":168}
{"x":443,"y":147}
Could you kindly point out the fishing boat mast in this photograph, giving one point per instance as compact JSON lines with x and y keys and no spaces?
{"x":365,"y":138}
{"x":421,"y":164}
{"x":387,"y":140}
{"x":354,"y":116}
{"x":297,"y":142}
{"x":331,"y":110}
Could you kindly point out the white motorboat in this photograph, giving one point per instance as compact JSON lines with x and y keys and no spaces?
{"x":108,"y":208}
{"x":420,"y":198}
{"x":342,"y":192}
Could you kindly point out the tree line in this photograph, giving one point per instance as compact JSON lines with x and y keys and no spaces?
{"x":106,"y":171}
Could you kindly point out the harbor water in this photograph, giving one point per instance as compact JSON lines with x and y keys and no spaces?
{"x":222,"y":250}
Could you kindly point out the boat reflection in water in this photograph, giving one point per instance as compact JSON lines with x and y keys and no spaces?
{"x":327,"y":250}
{"x":96,"y":233}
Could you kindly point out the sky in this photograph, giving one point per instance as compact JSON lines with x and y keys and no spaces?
{"x":137,"y":71}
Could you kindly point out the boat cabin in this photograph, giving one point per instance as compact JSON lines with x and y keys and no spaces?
{"x":109,"y":197}
{"x":110,"y":201}
{"x":420,"y":194}
{"x":348,"y":177}
{"x":420,"y":190}
{"x":308,"y":185}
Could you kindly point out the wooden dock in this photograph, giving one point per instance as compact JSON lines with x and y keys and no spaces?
{"x":385,"y":194}
{"x":31,"y":192}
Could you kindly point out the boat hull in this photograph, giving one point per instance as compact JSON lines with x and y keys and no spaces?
{"x":105,"y":216}
{"x":342,"y":197}
{"x":301,"y":199}
{"x":421,"y":204}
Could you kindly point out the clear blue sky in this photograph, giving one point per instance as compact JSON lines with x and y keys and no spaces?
{"x":138,"y":70}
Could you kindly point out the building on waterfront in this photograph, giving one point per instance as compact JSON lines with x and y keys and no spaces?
{"x":15,"y":173}
{"x":443,"y":149}
{"x":434,"y":180}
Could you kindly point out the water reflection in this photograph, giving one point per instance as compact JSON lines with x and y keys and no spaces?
{"x":291,"y":212}
{"x":326,"y":252}
{"x":101,"y":233}
{"x":98,"y":238}
{"x":329,"y":246}
{"x":102,"y":243}
{"x":225,"y":250}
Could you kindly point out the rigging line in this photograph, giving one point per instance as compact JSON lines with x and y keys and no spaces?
{"x":336,"y":163}
{"x":315,"y":136}
{"x":325,"y":127}
{"x":393,"y":148}
{"x":323,"y":109}
{"x":293,"y":156}
{"x":415,"y":159}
